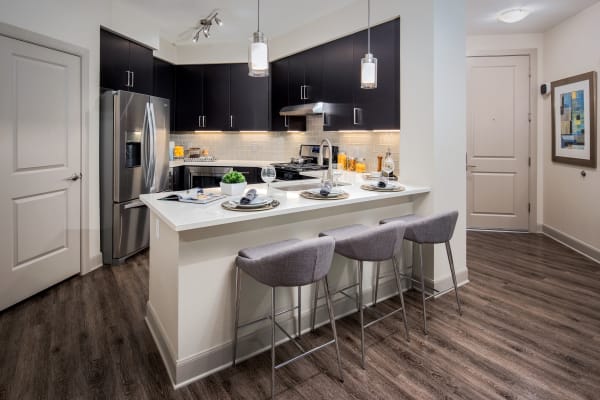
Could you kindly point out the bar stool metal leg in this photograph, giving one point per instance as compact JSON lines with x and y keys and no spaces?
{"x":399,"y":284}
{"x":238,"y":285}
{"x":299,"y":311}
{"x":358,"y":288}
{"x":451,"y":261}
{"x":422,"y":273}
{"x":376,"y":283}
{"x":332,"y":319}
{"x":314,"y":309}
{"x":272,"y":343}
{"x":360,"y":308}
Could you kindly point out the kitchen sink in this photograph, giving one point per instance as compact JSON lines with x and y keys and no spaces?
{"x":305,"y":186}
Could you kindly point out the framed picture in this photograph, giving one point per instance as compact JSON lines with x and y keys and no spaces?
{"x":574,"y":120}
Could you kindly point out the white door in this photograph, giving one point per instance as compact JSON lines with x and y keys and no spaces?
{"x":498,"y":142}
{"x":40,"y":151}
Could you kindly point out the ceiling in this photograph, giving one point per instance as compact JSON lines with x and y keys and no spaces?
{"x":545,"y":14}
{"x":281,"y":16}
{"x":239,"y":16}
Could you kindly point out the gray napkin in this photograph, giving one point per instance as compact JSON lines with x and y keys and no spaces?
{"x":325,"y":189}
{"x":248,"y":197}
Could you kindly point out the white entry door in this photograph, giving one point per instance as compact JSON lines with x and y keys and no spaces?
{"x":498,"y":120}
{"x":40,"y":164}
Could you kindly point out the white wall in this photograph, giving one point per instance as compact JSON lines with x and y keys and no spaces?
{"x":571,"y":203}
{"x":491,"y":44}
{"x":78,"y":23}
{"x":432,"y":66}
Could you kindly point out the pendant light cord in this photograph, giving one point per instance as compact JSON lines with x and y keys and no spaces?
{"x":258,"y":28}
{"x":369,"y":27}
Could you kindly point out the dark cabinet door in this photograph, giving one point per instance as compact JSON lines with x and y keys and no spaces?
{"x":379,"y":108}
{"x":216,"y":98}
{"x":141,"y":65}
{"x":296,"y":65}
{"x":338,"y":82}
{"x":248,"y":100}
{"x":313,"y":74}
{"x":279,"y":93}
{"x":189,"y":100}
{"x":164,"y":85}
{"x":114,"y":61}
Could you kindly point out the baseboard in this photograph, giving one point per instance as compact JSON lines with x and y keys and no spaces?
{"x":162,"y":342}
{"x":94,"y":263}
{"x":185,"y":371}
{"x":572,"y":242}
{"x":445,"y":283}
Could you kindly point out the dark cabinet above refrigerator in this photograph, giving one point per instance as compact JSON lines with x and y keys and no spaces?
{"x":124,"y":64}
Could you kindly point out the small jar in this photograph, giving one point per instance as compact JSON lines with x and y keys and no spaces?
{"x":379,"y":162}
{"x":361,"y":165}
{"x":341,"y":160}
{"x":351,"y":164}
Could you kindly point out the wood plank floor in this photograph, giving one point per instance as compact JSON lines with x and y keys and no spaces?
{"x":530,"y":330}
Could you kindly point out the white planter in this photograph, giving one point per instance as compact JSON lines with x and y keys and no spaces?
{"x":233,"y":189}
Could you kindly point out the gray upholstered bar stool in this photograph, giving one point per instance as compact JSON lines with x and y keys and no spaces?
{"x":288,"y":263}
{"x":435,"y":229}
{"x":363,"y":243}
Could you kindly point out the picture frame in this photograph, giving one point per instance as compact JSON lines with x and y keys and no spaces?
{"x":574,"y":129}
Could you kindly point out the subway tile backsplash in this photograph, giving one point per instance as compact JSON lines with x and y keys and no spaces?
{"x":280,"y":146}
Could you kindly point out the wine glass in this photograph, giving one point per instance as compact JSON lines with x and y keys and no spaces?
{"x":388,"y":167}
{"x":268,"y":175}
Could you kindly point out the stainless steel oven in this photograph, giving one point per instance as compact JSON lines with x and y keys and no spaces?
{"x":204,"y":176}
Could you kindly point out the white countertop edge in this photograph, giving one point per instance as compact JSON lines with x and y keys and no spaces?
{"x":151,"y":200}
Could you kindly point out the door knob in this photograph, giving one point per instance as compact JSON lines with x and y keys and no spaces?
{"x":75,"y":177}
{"x":471,"y":166}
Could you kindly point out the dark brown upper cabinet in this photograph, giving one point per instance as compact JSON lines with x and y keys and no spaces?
{"x":331,"y":73}
{"x":378,"y":108}
{"x":164,"y":84}
{"x":125,"y":65}
{"x":220,"y":97}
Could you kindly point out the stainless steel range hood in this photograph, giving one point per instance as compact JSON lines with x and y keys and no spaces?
{"x":304,"y":109}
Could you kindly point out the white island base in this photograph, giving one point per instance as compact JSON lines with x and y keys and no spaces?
{"x":192,"y":252}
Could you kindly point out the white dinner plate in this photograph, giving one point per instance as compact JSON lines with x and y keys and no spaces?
{"x":259,"y":201}
{"x":334,"y":192}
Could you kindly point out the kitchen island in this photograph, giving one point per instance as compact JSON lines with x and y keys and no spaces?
{"x":192,"y":252}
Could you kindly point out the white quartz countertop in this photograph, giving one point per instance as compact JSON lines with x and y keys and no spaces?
{"x":186,"y":216}
{"x":223,"y":163}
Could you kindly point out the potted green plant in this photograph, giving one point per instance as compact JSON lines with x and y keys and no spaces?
{"x":233,"y":183}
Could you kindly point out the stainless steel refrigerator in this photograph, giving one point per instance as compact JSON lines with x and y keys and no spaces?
{"x":134,"y":160}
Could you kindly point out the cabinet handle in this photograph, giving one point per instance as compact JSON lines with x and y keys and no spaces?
{"x":286,"y":122}
{"x":204,"y":121}
{"x":355,"y":116}
{"x":231,"y":121}
{"x":301,"y":92}
{"x":128,"y":84}
{"x":132,"y":79}
{"x":199,"y":121}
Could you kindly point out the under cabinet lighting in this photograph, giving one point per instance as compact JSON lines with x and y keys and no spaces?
{"x":254,"y":131}
{"x":208,"y":131}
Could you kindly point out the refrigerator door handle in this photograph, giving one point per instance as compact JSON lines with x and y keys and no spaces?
{"x":152,"y":148}
{"x":146,"y":147}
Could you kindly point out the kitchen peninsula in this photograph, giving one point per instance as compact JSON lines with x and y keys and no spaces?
{"x":192,"y":253}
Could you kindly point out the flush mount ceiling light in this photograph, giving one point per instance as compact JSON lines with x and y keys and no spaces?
{"x":368,"y":64}
{"x":203,"y":26}
{"x":258,"y":52}
{"x":513,"y":15}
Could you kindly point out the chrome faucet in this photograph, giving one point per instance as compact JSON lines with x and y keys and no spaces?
{"x":322,"y":160}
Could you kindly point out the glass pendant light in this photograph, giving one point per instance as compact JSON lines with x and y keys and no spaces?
{"x":368,"y":64}
{"x":258,"y":53}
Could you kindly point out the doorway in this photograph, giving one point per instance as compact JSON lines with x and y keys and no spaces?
{"x":498,"y":155}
